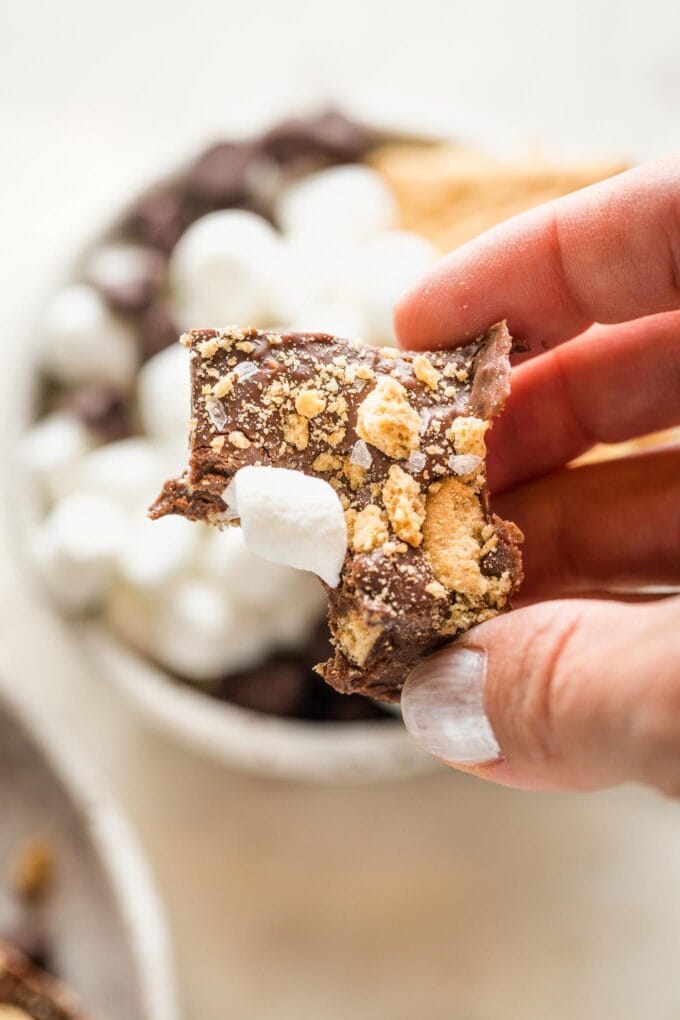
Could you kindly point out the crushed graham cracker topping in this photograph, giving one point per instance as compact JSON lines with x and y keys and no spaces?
{"x":400,"y":436}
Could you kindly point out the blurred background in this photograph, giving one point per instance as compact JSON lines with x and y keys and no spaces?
{"x":433,"y":895}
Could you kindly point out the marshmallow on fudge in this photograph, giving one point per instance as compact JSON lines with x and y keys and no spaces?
{"x":399,"y":437}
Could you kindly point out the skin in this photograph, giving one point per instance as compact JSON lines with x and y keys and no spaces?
{"x":583,"y":680}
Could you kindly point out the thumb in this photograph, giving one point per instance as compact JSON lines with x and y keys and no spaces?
{"x":573,"y":694}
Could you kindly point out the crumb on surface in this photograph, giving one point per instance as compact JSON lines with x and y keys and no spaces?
{"x":369,"y":529}
{"x":386,"y":419}
{"x":405,"y":505}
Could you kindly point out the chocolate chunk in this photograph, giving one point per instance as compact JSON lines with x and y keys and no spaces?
{"x":157,"y":329}
{"x":29,"y":989}
{"x":102,"y":409}
{"x":222,"y":175}
{"x":329,"y":135}
{"x":400,"y":437}
{"x":161,"y":216}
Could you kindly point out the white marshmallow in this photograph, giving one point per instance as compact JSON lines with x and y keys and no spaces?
{"x":83,"y":341}
{"x":344,"y":201}
{"x":291,"y":518}
{"x":155,"y":552}
{"x":252,"y":582}
{"x":52,"y":448}
{"x":226,"y":269}
{"x":199,"y":633}
{"x":132,"y":471}
{"x":297,"y":615}
{"x":164,"y":392}
{"x":386,"y":266}
{"x":341,"y":318}
{"x":121,"y":265}
{"x":75,"y":548}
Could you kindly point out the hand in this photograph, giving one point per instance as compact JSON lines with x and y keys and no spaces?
{"x":579,"y":688}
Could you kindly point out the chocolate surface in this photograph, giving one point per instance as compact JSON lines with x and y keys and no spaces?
{"x":400,"y":437}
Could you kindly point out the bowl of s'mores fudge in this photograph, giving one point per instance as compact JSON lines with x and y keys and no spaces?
{"x":224,"y":355}
{"x":81,"y":932}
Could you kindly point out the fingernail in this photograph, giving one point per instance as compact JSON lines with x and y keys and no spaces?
{"x":443,"y":707}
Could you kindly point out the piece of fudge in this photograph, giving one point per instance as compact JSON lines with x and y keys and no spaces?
{"x":28,"y":993}
{"x":400,"y":436}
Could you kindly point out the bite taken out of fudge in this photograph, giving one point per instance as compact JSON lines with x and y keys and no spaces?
{"x":399,"y":437}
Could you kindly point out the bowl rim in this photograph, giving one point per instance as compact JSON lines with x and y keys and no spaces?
{"x":119,"y":851}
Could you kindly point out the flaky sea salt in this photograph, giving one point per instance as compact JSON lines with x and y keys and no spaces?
{"x":246,"y":370}
{"x":416,"y":461}
{"x":464,"y":463}
{"x":216,"y":412}
{"x":361,"y":455}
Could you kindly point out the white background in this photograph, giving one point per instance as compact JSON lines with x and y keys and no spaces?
{"x":437,"y":897}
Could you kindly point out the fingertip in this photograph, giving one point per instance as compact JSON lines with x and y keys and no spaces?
{"x":407,"y":315}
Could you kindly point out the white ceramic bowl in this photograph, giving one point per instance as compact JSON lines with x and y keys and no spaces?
{"x":104,"y":918}
{"x":230,"y":734}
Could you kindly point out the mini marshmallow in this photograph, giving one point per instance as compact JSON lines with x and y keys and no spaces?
{"x":226,"y":268}
{"x":252,"y":582}
{"x":52,"y":448}
{"x":75,"y":547}
{"x":292,"y":518}
{"x":128,"y":470}
{"x":151,"y":557}
{"x":350,"y":201}
{"x":83,"y":341}
{"x":299,"y":614}
{"x":163,"y":392}
{"x":386,"y":266}
{"x":341,"y":318}
{"x":126,"y":274}
{"x":200,"y":634}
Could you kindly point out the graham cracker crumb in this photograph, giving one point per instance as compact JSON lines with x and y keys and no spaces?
{"x":354,"y":473}
{"x":386,"y":420}
{"x":224,"y":386}
{"x":32,"y":868}
{"x":239,"y":440}
{"x":425,"y":371}
{"x":310,"y":403}
{"x":467,"y":436}
{"x":369,"y":529}
{"x":246,"y":346}
{"x":405,"y":505}
{"x":296,"y":431}
{"x":208,"y":348}
{"x":452,"y":530}
{"x":326,"y":462}
{"x":217,"y":443}
{"x":356,"y":638}
{"x":437,"y":590}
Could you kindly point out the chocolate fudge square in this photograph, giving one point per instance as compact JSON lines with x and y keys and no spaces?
{"x":400,"y":436}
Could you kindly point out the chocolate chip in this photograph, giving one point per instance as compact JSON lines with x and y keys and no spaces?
{"x":221,"y":175}
{"x":330,"y":135}
{"x":102,"y":409}
{"x":161,"y":216}
{"x":157,"y":329}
